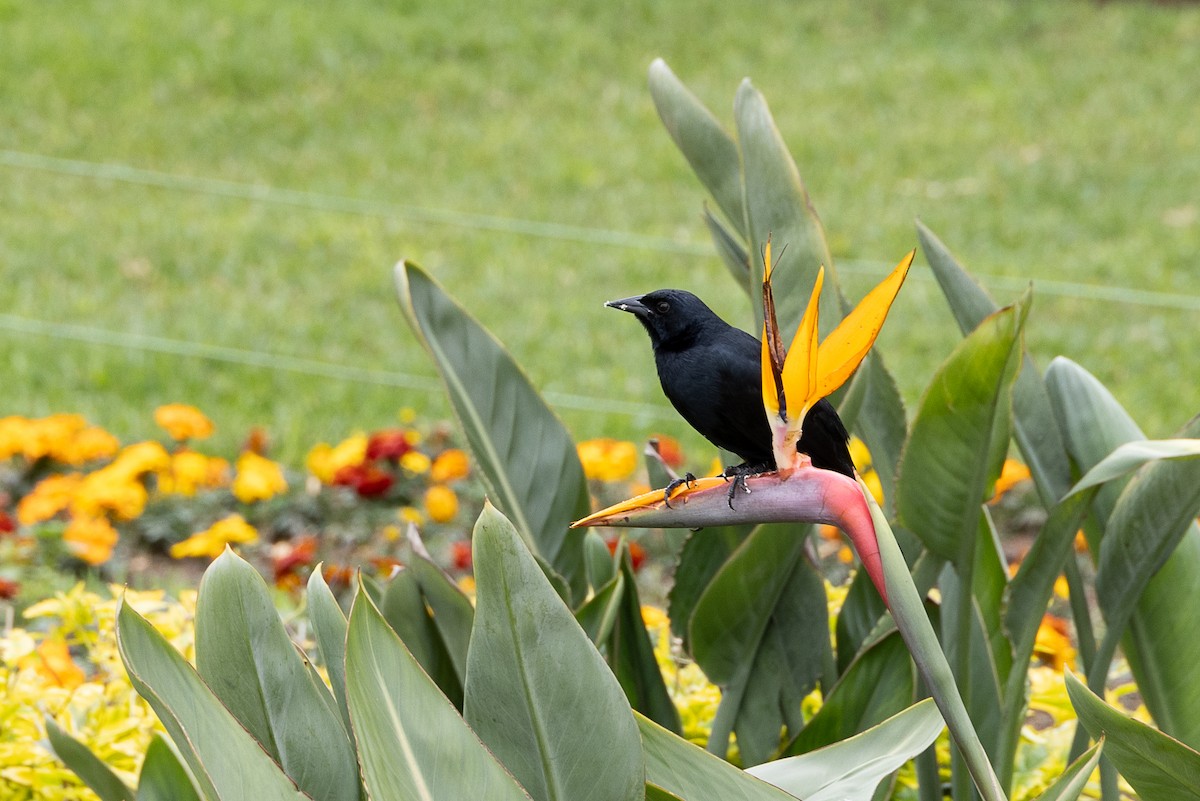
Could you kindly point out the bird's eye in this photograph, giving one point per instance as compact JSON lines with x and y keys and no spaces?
{"x":663,"y":307}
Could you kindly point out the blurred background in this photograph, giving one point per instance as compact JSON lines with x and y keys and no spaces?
{"x":202,"y":203}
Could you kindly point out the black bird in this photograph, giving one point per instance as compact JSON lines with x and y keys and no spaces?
{"x":712,"y":374}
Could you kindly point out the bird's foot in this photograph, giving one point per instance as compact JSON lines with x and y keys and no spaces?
{"x":739,"y":473}
{"x":675,"y":484}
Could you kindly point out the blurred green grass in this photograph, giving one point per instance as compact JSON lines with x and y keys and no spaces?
{"x":1057,"y":142}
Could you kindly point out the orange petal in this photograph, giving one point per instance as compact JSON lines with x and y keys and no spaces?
{"x":847,"y":345}
{"x":800,"y":368}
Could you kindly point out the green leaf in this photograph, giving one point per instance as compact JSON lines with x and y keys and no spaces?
{"x":226,"y":762}
{"x":1152,"y":516}
{"x":631,"y":655}
{"x":598,"y":615}
{"x":94,"y":772}
{"x":709,"y":149}
{"x":692,"y":773}
{"x":1130,"y":456}
{"x":1163,"y":652}
{"x":1157,"y":766}
{"x":405,"y":611}
{"x":1034,"y":425}
{"x":732,"y":252}
{"x":777,"y":204}
{"x":860,"y":612}
{"x":412,"y":742}
{"x":761,"y":632}
{"x":538,"y":693}
{"x":450,"y":611}
{"x":880,"y":419}
{"x":245,"y":656}
{"x":526,"y":457}
{"x":164,"y":777}
{"x":879,"y":683}
{"x":850,"y":770}
{"x":959,"y":437}
{"x":600,"y":564}
{"x":1071,"y":784}
{"x":702,"y":555}
{"x":329,"y":627}
{"x":654,"y":793}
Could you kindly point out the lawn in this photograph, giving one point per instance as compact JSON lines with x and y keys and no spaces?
{"x":202,"y":203}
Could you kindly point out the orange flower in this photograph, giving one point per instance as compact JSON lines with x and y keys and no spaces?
{"x":191,"y":471}
{"x":139,"y":458}
{"x":88,"y":445}
{"x":49,"y":497}
{"x":669,"y":450}
{"x":607,"y":459}
{"x":441,"y":504}
{"x":51,"y":436}
{"x":324,"y":461}
{"x":110,"y":489}
{"x":183,"y":422}
{"x":91,"y":539}
{"x":1053,"y":643}
{"x":450,"y":465}
{"x":258,"y":478}
{"x":1012,"y":474}
{"x":212,"y":541}
{"x":52,"y":659}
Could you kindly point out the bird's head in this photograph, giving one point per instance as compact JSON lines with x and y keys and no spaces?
{"x":668,"y":315}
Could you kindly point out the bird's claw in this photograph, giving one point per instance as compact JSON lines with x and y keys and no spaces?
{"x":739,"y":474}
{"x":687,"y":479}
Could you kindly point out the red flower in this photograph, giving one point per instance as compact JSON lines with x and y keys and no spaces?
{"x":288,"y":557}
{"x":389,"y":444}
{"x":7,"y":526}
{"x":367,"y":479}
{"x":386,"y":565}
{"x":637,"y":554}
{"x":8,"y":589}
{"x":460,"y":554}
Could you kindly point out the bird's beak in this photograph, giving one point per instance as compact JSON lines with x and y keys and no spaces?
{"x":632,"y":305}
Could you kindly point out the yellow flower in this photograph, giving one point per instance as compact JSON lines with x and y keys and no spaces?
{"x":212,"y":541}
{"x":88,"y":445}
{"x":191,"y":471}
{"x":12,"y":435}
{"x":794,"y":381}
{"x":450,"y":465}
{"x":861,"y":457}
{"x":258,"y":478}
{"x":324,"y":461}
{"x":141,"y":457}
{"x":51,"y":436}
{"x":415,"y":462}
{"x":112,"y":489}
{"x":607,"y":459}
{"x":91,"y":539}
{"x":441,"y":503}
{"x":1053,"y":645}
{"x":411,"y":514}
{"x":49,"y":497}
{"x":182,"y":422}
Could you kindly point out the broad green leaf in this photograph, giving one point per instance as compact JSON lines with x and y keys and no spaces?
{"x":709,"y":149}
{"x":245,"y":656}
{"x":1160,"y":645}
{"x":655,"y":793}
{"x":405,"y":610}
{"x":959,"y":438}
{"x":527,"y":459}
{"x":450,"y":611}
{"x":599,"y":614}
{"x":1152,"y":516}
{"x":631,"y":655}
{"x":860,"y":613}
{"x":850,"y":770}
{"x":164,"y":777}
{"x":879,"y":418}
{"x":777,"y":204}
{"x":760,"y":631}
{"x":601,"y":567}
{"x":1071,"y":783}
{"x":1157,"y":766}
{"x":1132,"y":455}
{"x":226,"y":762}
{"x":700,"y":558}
{"x":87,"y":766}
{"x":1034,"y":426}
{"x":692,"y":773}
{"x":538,"y":693}
{"x":413,"y":744}
{"x":329,"y":627}
{"x":878,"y":683}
